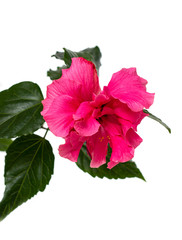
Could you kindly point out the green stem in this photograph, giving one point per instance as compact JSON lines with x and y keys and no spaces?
{"x":47,"y":129}
{"x":43,"y":127}
{"x":157,"y":119}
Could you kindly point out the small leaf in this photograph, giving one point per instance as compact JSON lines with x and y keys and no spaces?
{"x":20,"y":108}
{"x":68,"y":55}
{"x":55,"y":74}
{"x":4,"y":144}
{"x":90,"y":54}
{"x":59,"y":55}
{"x":121,"y":170}
{"x":29,"y":165}
{"x":157,"y":119}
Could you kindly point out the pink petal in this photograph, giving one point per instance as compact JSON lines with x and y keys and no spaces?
{"x":121,"y":151}
{"x":87,"y":127}
{"x":107,"y":111}
{"x":133,"y":138}
{"x":60,"y":115}
{"x":129,"y":88}
{"x":111,"y":164}
{"x":53,"y":90}
{"x":99,"y":112}
{"x":99,"y":100}
{"x":71,"y":148}
{"x":83,"y":111}
{"x":111,"y":125}
{"x":97,"y":148}
{"x":96,"y":113}
{"x":125,"y":125}
{"x":80,"y":80}
{"x":125,"y":113}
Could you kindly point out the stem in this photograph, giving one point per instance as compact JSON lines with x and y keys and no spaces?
{"x":43,"y":127}
{"x":47,"y":129}
{"x":157,"y":119}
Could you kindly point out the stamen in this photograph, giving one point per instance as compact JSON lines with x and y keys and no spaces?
{"x":101,"y":139}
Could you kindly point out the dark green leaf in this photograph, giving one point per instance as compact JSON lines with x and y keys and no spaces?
{"x":90,"y":54}
{"x":55,"y":74}
{"x":157,"y":119}
{"x":4,"y":144}
{"x":20,"y":108}
{"x":29,"y":165}
{"x":68,"y":55}
{"x":59,"y":55}
{"x":122,"y":170}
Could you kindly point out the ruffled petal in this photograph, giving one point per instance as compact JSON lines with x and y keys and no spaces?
{"x":111,"y":125}
{"x":121,"y":151}
{"x":129,"y":88}
{"x":125,"y":125}
{"x":111,"y":164}
{"x":71,"y":148}
{"x":133,"y":138}
{"x":87,"y":127}
{"x":125,"y":113}
{"x":97,"y":148}
{"x":83,"y":111}
{"x":53,"y":91}
{"x":60,"y":115}
{"x":80,"y":80}
{"x":99,"y":100}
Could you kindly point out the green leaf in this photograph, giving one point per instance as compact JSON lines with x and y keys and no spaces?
{"x":29,"y":165}
{"x":4,"y":144}
{"x":59,"y":55}
{"x":90,"y":54}
{"x":157,"y":119}
{"x":20,"y":108}
{"x":55,"y":74}
{"x":122,"y":170}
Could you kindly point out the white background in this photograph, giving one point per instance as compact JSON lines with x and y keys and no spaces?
{"x":142,"y":34}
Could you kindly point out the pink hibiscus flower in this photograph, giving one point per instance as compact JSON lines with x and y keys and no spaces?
{"x":76,"y":109}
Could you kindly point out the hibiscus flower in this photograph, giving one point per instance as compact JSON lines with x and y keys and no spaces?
{"x":77,"y":110}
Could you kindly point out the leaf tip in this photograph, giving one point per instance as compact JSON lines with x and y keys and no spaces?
{"x":143,"y":179}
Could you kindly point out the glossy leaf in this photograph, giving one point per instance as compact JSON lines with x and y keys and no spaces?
{"x":20,"y":108}
{"x":91,"y":54}
{"x":122,"y":170}
{"x":157,"y":119}
{"x":29,"y":165}
{"x":4,"y":144}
